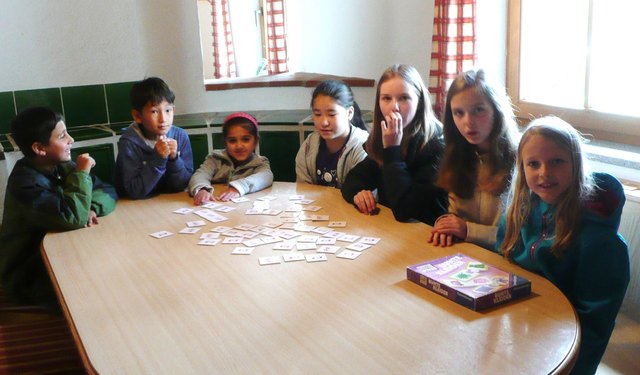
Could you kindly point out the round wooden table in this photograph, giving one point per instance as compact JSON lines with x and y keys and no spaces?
{"x":138,"y":304}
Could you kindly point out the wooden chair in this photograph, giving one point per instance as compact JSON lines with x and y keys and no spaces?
{"x":33,"y":341}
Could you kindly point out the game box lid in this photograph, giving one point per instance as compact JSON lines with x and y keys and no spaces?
{"x":469,"y":282}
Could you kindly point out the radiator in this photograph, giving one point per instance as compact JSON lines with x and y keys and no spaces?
{"x":629,"y":229}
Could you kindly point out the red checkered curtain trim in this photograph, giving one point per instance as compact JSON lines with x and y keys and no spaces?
{"x":224,"y":63}
{"x":276,"y":37}
{"x":453,"y":46}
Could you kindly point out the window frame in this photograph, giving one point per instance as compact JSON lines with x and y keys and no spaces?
{"x":602,"y":125}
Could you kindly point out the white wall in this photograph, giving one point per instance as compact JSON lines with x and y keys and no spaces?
{"x":77,"y":42}
{"x":68,"y":43}
{"x":362,"y":37}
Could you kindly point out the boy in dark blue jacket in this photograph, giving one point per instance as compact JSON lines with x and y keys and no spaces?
{"x":153,"y":155}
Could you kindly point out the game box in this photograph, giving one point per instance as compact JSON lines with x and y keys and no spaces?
{"x":469,"y":282}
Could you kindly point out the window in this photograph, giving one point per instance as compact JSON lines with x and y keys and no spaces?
{"x":577,"y":59}
{"x":249,"y":46}
{"x":243,"y":38}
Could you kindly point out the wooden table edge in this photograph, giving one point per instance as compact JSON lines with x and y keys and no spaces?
{"x":564,"y":367}
{"x":86,"y":362}
{"x":569,"y":361}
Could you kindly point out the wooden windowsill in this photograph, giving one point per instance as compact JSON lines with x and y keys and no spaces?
{"x":283,"y":80}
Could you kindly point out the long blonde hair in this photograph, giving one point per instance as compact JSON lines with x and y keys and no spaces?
{"x":424,"y":125}
{"x":570,"y":207}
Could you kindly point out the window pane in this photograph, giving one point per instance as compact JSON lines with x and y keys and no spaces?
{"x":553,"y":52}
{"x":615,"y":57}
{"x":246,"y":36}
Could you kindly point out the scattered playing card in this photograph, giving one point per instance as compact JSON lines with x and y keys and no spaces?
{"x":245,"y":226}
{"x":233,"y":240}
{"x":242,"y":251}
{"x":326,"y":241}
{"x":370,"y":240}
{"x":209,"y":235}
{"x":161,"y":234}
{"x":348,"y":238}
{"x":308,"y":238}
{"x":221,"y":229}
{"x":268,"y":231}
{"x":358,"y":246}
{"x":296,"y":197}
{"x":196,"y":223}
{"x":249,"y":234}
{"x":272,"y":212}
{"x":210,"y":215}
{"x":270,"y":239}
{"x":268,"y":198}
{"x":210,"y":205}
{"x":294,"y":208}
{"x":188,"y":230}
{"x":225,"y":209}
{"x":315,"y":257}
{"x":293,"y":257}
{"x":329,"y":249}
{"x":253,"y":211}
{"x":271,"y":225}
{"x":290,"y":214}
{"x":253,"y":242}
{"x":301,"y":246}
{"x":209,"y":241}
{"x":337,"y":224}
{"x":287,"y":234}
{"x":240,"y":200}
{"x":333,"y":234}
{"x":275,"y":259}
{"x":284,"y":246}
{"x":183,"y":211}
{"x":321,"y":230}
{"x":233,"y":233}
{"x":261,"y":205}
{"x":306,"y":201}
{"x":348,"y":254}
{"x":303,"y":228}
{"x":319,"y":217}
{"x":311,"y":208}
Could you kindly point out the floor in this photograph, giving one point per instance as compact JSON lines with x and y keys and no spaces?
{"x":623,"y":353}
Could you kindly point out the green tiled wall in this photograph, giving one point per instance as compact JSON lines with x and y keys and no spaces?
{"x":7,"y":111}
{"x":84,"y":105}
{"x":200,"y":148}
{"x":41,"y":97}
{"x":218,"y":140}
{"x":118,"y":101}
{"x":81,"y":105}
{"x":281,"y":148}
